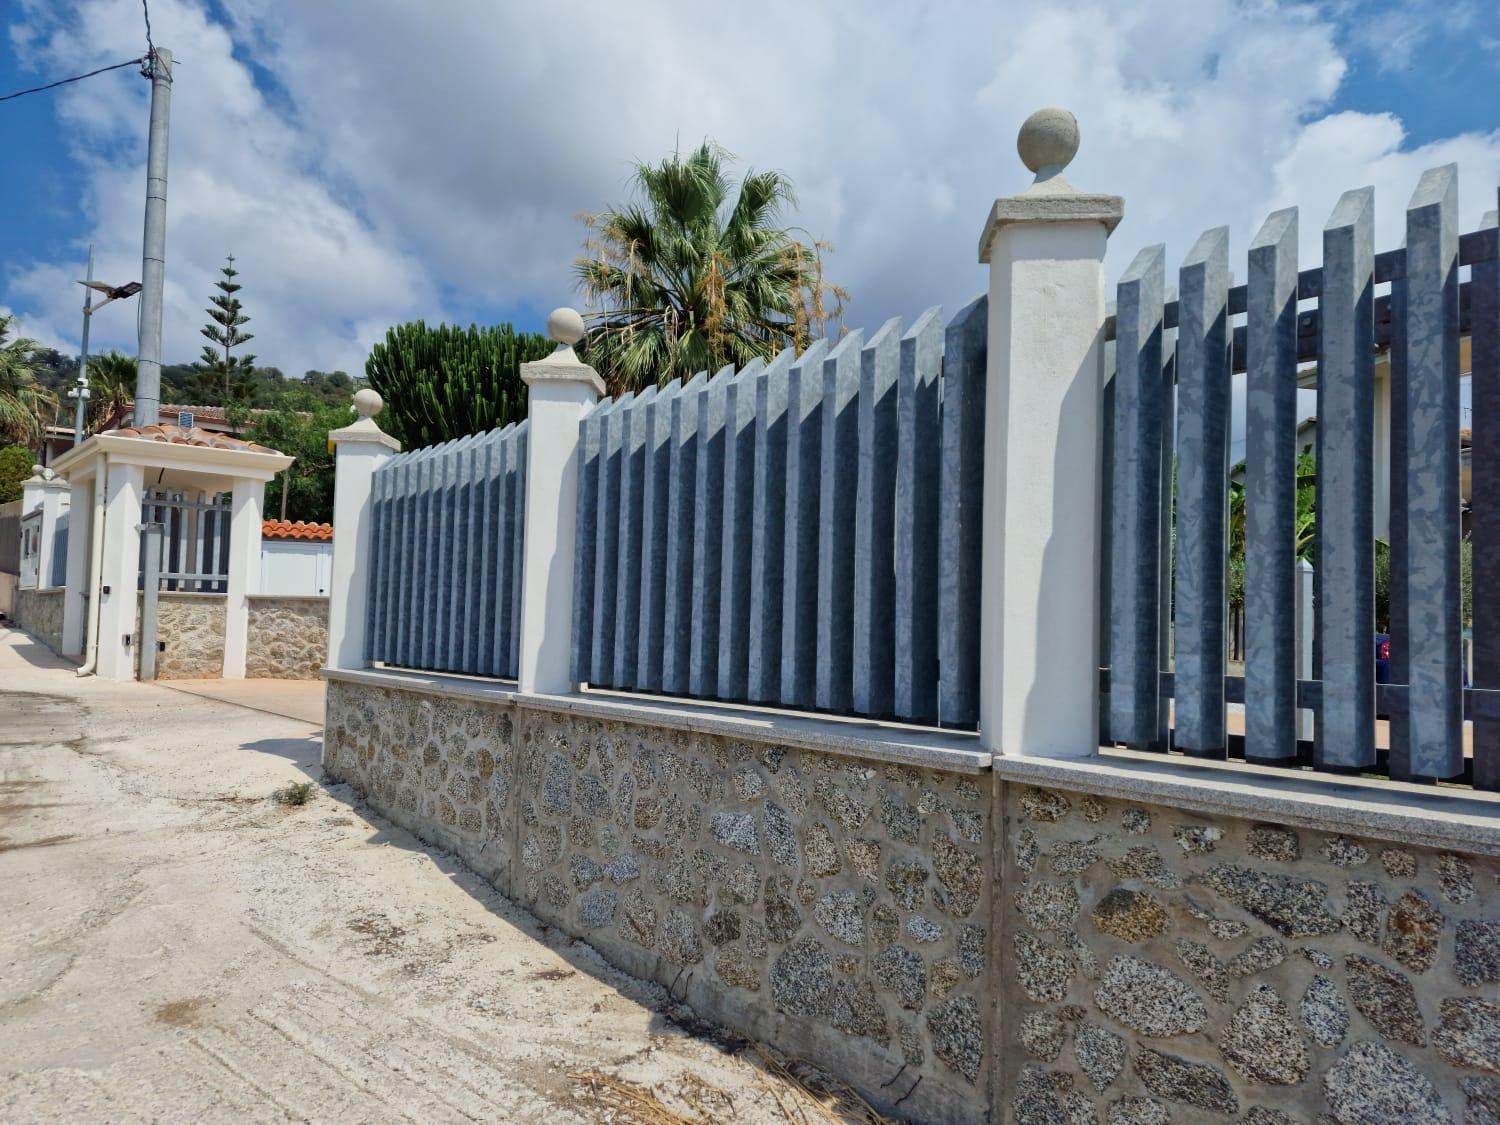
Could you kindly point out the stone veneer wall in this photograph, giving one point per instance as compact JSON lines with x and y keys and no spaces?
{"x":192,"y":627}
{"x":40,"y":613}
{"x":833,"y":906}
{"x":1162,"y":966}
{"x":1135,"y":964}
{"x":288,"y":637}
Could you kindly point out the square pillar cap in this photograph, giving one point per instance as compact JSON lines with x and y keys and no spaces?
{"x":1047,"y":143}
{"x":367,"y":404}
{"x":564,"y":328}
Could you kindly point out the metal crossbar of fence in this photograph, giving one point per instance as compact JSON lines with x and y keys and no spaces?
{"x":1167,"y":515}
{"x":446,"y":532}
{"x":802,"y":532}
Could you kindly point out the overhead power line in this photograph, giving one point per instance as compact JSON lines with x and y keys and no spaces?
{"x":150,"y":46}
{"x":75,"y":78}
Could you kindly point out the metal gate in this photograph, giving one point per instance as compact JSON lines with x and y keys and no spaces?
{"x":184,"y":549}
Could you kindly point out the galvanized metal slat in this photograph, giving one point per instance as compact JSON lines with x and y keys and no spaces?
{"x":489,"y":552}
{"x":1434,"y":600}
{"x":708,"y":537}
{"x":767,"y":527}
{"x":1485,"y":503}
{"x":1135,"y":659}
{"x":474,"y":470}
{"x":654,"y":517}
{"x":874,"y":611}
{"x":799,"y":592}
{"x":429,"y":549}
{"x":606,"y":551}
{"x":1270,"y":491}
{"x":505,"y":592}
{"x":636,"y":419}
{"x":375,"y":613}
{"x":919,"y":504}
{"x":1399,"y":758}
{"x":677,"y":589}
{"x":445,"y":549}
{"x":1346,"y":486}
{"x":1202,"y":494}
{"x":585,"y":542}
{"x":961,"y":519}
{"x":519,"y":438}
{"x":734,"y":573}
{"x":838,"y":477}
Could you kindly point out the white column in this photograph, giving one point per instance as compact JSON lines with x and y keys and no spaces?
{"x":80,"y":533}
{"x":562,"y":389}
{"x":1039,"y":605}
{"x":55,"y":505}
{"x":245,"y":506}
{"x":121,"y":568}
{"x":359,"y":450}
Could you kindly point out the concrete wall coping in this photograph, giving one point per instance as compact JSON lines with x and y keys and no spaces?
{"x":185,"y":595}
{"x":955,"y":752}
{"x":1387,"y":810}
{"x":285,"y":597}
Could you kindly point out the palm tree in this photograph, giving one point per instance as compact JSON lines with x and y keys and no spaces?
{"x":111,"y":385}
{"x":23,"y":402}
{"x":686,"y":279}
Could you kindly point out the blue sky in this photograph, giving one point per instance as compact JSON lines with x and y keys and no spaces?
{"x":397,"y":166}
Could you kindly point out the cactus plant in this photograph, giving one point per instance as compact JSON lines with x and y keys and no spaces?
{"x":444,"y":382}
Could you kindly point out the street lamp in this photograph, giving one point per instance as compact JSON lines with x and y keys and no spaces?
{"x":80,"y":391}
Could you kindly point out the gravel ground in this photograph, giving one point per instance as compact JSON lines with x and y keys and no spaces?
{"x":178,"y":946}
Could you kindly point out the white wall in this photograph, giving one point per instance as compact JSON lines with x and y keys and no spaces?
{"x":295,"y":566}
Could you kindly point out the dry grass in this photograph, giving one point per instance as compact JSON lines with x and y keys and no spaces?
{"x":804,"y":1094}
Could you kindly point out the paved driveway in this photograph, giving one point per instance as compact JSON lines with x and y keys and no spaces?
{"x":176,"y":946}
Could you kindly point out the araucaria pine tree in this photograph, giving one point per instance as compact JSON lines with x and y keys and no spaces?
{"x":227,"y":375}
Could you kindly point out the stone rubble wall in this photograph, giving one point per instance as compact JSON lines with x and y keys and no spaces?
{"x":1159,"y":966}
{"x":192,"y":628}
{"x":974,"y":950}
{"x":40,"y":613}
{"x":835,"y":907}
{"x":287,"y":638}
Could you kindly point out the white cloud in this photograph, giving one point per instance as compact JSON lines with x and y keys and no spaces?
{"x":405,"y":164}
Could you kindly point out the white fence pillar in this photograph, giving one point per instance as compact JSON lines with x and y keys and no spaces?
{"x":562,"y":389}
{"x":246,"y":503}
{"x":80,"y":538}
{"x":121,"y":568}
{"x":49,"y":493}
{"x":359,"y":450}
{"x":1039,"y":605}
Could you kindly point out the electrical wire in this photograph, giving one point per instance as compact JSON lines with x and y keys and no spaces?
{"x":150,"y":46}
{"x":75,"y":78}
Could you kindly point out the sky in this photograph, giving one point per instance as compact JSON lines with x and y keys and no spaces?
{"x":375,"y":163}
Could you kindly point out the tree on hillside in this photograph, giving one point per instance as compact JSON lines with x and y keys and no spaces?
{"x":687,"y":279}
{"x":446,"y":382}
{"x":111,"y":386}
{"x":226,"y":375}
{"x":298,"y":425}
{"x":15,"y":466}
{"x":24,"y":403}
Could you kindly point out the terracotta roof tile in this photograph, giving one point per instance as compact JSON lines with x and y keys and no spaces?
{"x":189,"y":435}
{"x":286,"y":529}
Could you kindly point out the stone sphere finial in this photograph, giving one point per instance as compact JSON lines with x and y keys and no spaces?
{"x":38,"y":471}
{"x":367,"y":402}
{"x":1048,"y":140}
{"x":565,"y":326}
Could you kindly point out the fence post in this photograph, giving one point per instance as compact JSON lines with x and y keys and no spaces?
{"x":358,"y":450}
{"x":562,"y":388}
{"x":47,"y":491}
{"x":1039,"y":611}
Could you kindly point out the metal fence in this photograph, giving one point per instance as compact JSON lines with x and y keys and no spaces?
{"x":803,"y":532}
{"x":194,"y":542}
{"x":1164,"y":588}
{"x":446,"y":533}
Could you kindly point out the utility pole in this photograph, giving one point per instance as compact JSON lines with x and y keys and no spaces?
{"x":80,"y":392}
{"x":154,"y":243}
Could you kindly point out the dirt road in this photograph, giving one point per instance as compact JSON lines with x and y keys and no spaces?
{"x":177,"y":946}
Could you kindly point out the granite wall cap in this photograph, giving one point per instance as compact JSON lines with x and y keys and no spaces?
{"x":1385,"y":810}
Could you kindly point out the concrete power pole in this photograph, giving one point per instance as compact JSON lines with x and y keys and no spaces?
{"x":154,"y":247}
{"x":80,"y":390}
